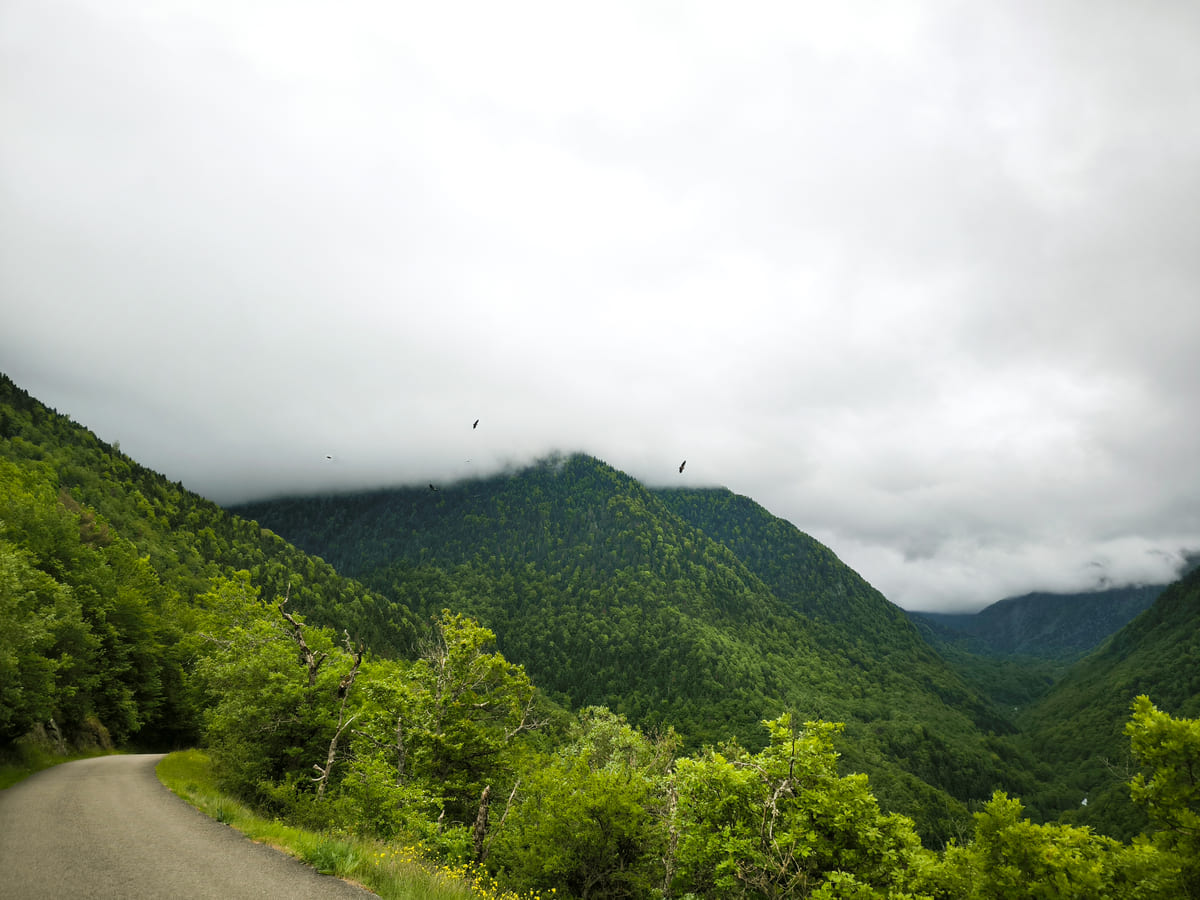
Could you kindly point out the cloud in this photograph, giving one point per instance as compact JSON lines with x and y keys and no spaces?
{"x":917,"y":278}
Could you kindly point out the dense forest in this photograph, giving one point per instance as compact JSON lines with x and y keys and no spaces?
{"x":573,"y":681}
{"x":1014,"y":651}
{"x":611,"y":594}
{"x":1042,"y":625}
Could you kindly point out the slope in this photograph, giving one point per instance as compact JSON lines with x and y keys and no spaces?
{"x":609,"y":596}
{"x":1078,"y":728}
{"x":1013,"y":651}
{"x":1058,"y":627}
{"x":100,"y":560}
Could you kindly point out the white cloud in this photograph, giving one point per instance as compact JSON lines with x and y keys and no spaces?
{"x":918,"y":278}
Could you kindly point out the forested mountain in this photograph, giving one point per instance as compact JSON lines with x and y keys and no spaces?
{"x":100,"y":561}
{"x":639,"y":600}
{"x":798,"y":569}
{"x":1057,"y":627}
{"x":133,"y":611}
{"x":1013,"y":651}
{"x":1077,"y":728}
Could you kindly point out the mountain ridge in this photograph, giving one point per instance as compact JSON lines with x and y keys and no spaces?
{"x":637,"y":598}
{"x":1042,"y":624}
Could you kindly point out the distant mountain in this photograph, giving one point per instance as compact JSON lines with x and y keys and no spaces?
{"x":1059,"y":627}
{"x":695,"y":609}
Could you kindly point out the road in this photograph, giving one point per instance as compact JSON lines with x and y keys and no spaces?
{"x":107,"y":827}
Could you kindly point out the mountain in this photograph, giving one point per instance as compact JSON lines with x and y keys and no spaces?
{"x":694,"y":609}
{"x":1077,"y":729}
{"x":1060,"y":627}
{"x":101,"y":562}
{"x":593,"y":581}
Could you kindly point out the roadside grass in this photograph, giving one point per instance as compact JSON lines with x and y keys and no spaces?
{"x":26,"y":759}
{"x":393,"y":871}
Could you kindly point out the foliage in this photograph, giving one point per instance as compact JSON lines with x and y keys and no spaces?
{"x":693,"y":609}
{"x":1078,"y":729}
{"x":267,"y":709}
{"x":593,"y":816}
{"x":1011,"y":858}
{"x":100,"y":561}
{"x":394,"y":871}
{"x":1168,"y":787}
{"x":82,"y":628}
{"x":782,"y":823}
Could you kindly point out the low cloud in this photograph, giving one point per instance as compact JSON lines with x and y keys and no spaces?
{"x":920,"y":280}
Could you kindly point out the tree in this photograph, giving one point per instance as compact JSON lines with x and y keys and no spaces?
{"x":593,"y":816}
{"x":1168,"y":788}
{"x":270,"y":700}
{"x":783,"y":823}
{"x":35,"y":614}
{"x":440,"y":736}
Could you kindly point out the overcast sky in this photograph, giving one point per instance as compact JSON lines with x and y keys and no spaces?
{"x":921,"y":278}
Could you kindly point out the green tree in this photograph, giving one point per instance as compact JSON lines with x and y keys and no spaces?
{"x":1168,"y":787}
{"x":1011,"y":858}
{"x":783,"y":823}
{"x":593,"y":816}
{"x":271,"y":702}
{"x":441,"y":734}
{"x":36,"y":615}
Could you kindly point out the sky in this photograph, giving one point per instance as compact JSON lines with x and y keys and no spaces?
{"x":922,"y":278}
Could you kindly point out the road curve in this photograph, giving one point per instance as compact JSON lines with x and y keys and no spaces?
{"x":107,"y":827}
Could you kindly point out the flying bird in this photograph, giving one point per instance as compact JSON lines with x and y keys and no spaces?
{"x":681,"y":465}
{"x":476,"y":424}
{"x":432,"y":488}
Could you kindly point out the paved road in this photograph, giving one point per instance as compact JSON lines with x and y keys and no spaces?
{"x":107,"y":827}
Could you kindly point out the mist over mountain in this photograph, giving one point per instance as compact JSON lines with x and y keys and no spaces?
{"x":692,"y":609}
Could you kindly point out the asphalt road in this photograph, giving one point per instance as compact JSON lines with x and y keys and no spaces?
{"x":107,"y":827}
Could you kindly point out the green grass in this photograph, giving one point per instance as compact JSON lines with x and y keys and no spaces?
{"x":25,"y":759}
{"x":400,"y":871}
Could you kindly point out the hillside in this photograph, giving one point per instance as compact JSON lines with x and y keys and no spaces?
{"x":640,"y":600}
{"x":1078,"y":727}
{"x":135,"y":612}
{"x":101,"y":561}
{"x":587,"y":577}
{"x":1013,"y":651}
{"x":1057,"y":627}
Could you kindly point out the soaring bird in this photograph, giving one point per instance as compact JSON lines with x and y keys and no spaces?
{"x":432,"y":488}
{"x":476,"y":424}
{"x":681,"y":465}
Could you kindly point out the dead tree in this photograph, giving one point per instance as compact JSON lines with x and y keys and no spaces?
{"x":308,"y":659}
{"x":343,"y":693}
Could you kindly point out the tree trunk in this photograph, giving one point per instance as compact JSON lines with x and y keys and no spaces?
{"x":481,"y":824}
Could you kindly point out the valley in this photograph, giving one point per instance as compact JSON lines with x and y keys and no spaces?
{"x":579,"y":612}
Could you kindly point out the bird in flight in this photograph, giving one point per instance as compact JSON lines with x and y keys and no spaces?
{"x":681,"y":465}
{"x":432,"y":488}
{"x":476,"y":424}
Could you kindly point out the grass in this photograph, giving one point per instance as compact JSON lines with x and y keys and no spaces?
{"x":399,"y":871}
{"x":27,"y":759}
